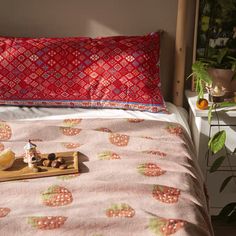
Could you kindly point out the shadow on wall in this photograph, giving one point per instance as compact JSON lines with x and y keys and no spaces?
{"x":63,"y":18}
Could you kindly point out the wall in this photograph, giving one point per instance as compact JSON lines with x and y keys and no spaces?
{"x":59,"y":18}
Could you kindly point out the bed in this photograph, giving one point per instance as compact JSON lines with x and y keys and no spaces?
{"x":138,"y":172}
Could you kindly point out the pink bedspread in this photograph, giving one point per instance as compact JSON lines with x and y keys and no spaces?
{"x":138,"y":178}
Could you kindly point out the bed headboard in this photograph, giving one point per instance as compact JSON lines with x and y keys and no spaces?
{"x":61,"y":18}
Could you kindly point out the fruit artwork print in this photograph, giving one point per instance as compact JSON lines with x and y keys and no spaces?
{"x":4,"y":211}
{"x":165,"y":227}
{"x":166,"y":194}
{"x":47,"y":222}
{"x":120,"y":140}
{"x":150,"y":169}
{"x":56,"y":196}
{"x":120,"y":210}
{"x":5,"y":131}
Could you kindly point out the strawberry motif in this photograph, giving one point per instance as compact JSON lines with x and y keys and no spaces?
{"x":72,"y":122}
{"x":166,"y":194}
{"x":68,"y":131}
{"x":108,"y":155}
{"x":2,"y":147}
{"x":46,"y":222}
{"x":135,"y":120}
{"x":69,"y":127}
{"x":104,"y":130}
{"x":4,"y":211}
{"x":120,"y":140}
{"x":150,"y":169}
{"x":156,"y":152}
{"x":165,"y":227}
{"x":120,"y":210}
{"x":56,"y":196}
{"x":71,"y":145}
{"x":5,"y":131}
{"x":175,"y":130}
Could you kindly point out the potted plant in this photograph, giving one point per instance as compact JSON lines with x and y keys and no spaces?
{"x":216,"y":75}
{"x":221,"y":67}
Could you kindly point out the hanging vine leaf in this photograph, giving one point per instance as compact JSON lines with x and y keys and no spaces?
{"x":225,"y":182}
{"x":217,"y":163}
{"x":232,"y":217}
{"x":228,"y":212}
{"x":217,"y":142}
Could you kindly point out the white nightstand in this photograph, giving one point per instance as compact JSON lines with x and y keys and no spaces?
{"x":201,"y":131}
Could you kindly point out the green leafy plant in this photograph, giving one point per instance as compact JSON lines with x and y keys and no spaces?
{"x":216,"y":144}
{"x":221,"y":60}
{"x":201,"y":76}
{"x":200,"y":67}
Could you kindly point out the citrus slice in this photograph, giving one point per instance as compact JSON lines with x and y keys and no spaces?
{"x":7,"y":158}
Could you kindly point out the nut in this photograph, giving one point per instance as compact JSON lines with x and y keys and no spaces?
{"x":55,"y":164}
{"x":47,"y":163}
{"x":51,"y":156}
{"x":61,"y":160}
{"x":63,"y":166}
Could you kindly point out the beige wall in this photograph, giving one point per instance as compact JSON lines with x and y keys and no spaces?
{"x":52,"y":18}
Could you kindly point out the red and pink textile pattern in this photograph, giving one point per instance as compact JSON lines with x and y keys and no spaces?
{"x":137,"y":178}
{"x":111,"y":72}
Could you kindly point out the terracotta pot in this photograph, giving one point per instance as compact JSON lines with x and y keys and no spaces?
{"x":222,"y":77}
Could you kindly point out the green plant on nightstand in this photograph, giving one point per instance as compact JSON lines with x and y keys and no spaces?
{"x":201,"y":76}
{"x":219,"y":68}
{"x":215,"y":145}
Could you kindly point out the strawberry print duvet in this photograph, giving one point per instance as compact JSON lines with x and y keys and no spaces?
{"x":137,"y":178}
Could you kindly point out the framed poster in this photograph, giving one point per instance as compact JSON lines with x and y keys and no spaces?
{"x":215,"y":32}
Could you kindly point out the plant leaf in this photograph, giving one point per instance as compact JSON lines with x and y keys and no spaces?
{"x":227,"y":211}
{"x":225,"y":182}
{"x":217,"y":142}
{"x":217,"y":163}
{"x":221,"y":55}
{"x":199,"y":70}
{"x":227,"y":104}
{"x":232,"y":217}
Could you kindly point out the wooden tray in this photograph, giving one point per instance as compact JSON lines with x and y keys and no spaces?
{"x":20,"y":170}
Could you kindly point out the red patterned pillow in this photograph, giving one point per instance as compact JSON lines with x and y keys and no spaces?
{"x":111,"y":72}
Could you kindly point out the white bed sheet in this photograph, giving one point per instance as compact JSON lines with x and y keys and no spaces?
{"x":177,"y":114}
